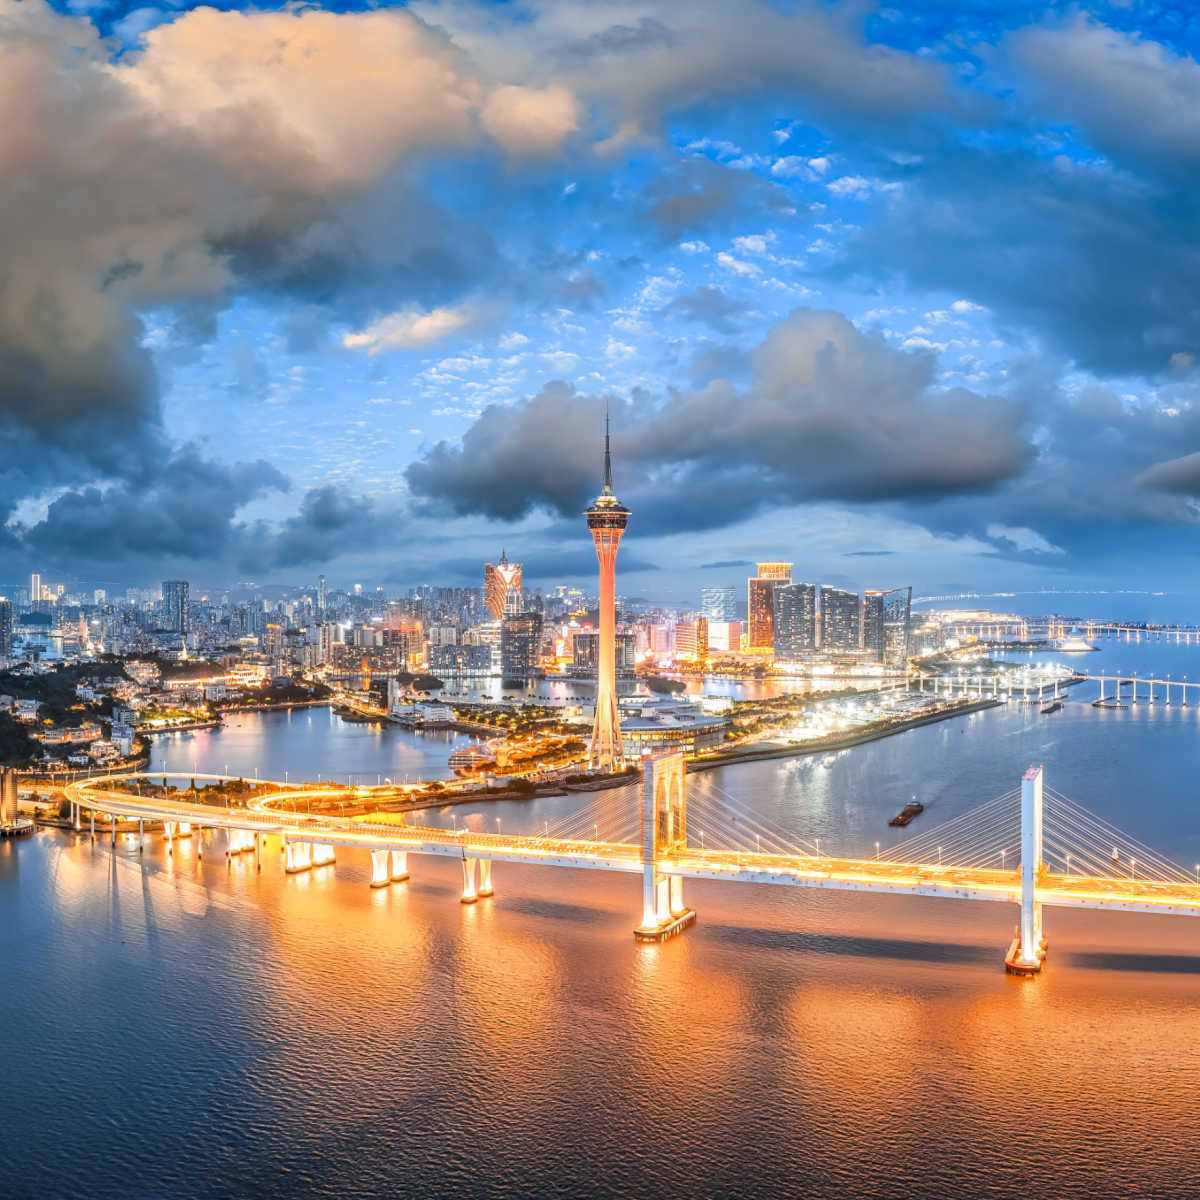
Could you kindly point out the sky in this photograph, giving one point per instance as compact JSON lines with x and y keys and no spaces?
{"x":903,"y":293}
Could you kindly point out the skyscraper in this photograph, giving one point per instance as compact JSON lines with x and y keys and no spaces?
{"x":897,"y":627}
{"x":320,"y":593}
{"x":520,"y":643}
{"x":795,"y":620}
{"x":760,"y":604}
{"x":6,"y":615}
{"x":872,"y":624}
{"x":839,"y":619}
{"x":35,"y":590}
{"x":499,"y":581}
{"x":607,"y":519}
{"x":719,"y":603}
{"x":175,"y":605}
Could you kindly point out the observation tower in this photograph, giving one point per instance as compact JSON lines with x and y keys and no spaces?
{"x":607,"y":518}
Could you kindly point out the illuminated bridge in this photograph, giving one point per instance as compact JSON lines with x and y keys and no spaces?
{"x":1030,"y":847}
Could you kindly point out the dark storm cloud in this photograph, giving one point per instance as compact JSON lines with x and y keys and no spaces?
{"x":330,"y":522}
{"x":831,"y":414}
{"x":186,"y":509}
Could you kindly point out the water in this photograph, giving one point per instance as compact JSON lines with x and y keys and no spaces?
{"x":307,"y":743}
{"x":178,"y":1028}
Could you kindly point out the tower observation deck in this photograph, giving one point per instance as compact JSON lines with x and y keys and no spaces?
{"x":607,"y":518}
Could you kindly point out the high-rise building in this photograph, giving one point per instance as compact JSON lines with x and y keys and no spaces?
{"x":500,"y":580}
{"x":795,"y":620}
{"x":175,"y":605}
{"x":719,"y":603}
{"x":760,"y":604}
{"x":520,"y":645}
{"x":839,"y":619}
{"x":321,"y":593}
{"x":607,"y":519}
{"x":35,"y":590}
{"x":6,"y":628}
{"x":897,"y":627}
{"x":585,"y":655}
{"x":872,"y":624}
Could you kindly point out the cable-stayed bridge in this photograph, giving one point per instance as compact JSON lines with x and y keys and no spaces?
{"x":1030,"y":847}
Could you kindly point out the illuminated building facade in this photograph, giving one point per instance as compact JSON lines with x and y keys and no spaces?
{"x":719,"y":603}
{"x":585,"y":655}
{"x":760,"y":604}
{"x":520,"y":645}
{"x":839,"y":619}
{"x":795,"y":621}
{"x":897,"y":628}
{"x":607,"y":519}
{"x":500,"y":581}
{"x":6,"y":632}
{"x":872,"y":624}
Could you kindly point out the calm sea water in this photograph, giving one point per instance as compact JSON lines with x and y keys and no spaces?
{"x":183,"y":1028}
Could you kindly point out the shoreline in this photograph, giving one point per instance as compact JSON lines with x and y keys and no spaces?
{"x":827,"y":746}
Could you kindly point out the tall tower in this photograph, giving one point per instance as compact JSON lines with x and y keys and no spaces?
{"x":607,"y":519}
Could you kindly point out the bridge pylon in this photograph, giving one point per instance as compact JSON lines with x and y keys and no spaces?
{"x":1028,"y":948}
{"x":664,"y":833}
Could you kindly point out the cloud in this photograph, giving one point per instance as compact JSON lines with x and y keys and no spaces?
{"x":409,"y":330}
{"x":330,"y":522}
{"x":1177,"y":475}
{"x":1022,"y":539}
{"x":710,"y":306}
{"x":187,"y":508}
{"x":831,"y":413}
{"x":527,"y":120}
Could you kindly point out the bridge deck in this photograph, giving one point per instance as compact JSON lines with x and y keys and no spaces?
{"x":799,"y":870}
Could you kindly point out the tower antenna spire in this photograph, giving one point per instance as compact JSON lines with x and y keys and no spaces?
{"x":607,"y":456}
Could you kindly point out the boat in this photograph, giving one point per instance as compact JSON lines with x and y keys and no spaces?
{"x":1053,"y":708}
{"x":907,"y":813}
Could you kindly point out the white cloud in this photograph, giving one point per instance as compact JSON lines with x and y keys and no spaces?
{"x":922,"y":343}
{"x":617,"y":350}
{"x":513,"y":340}
{"x":966,"y":306}
{"x":755,"y":243}
{"x":738,"y":266}
{"x":794,"y":166}
{"x":409,"y":329}
{"x":694,"y":247}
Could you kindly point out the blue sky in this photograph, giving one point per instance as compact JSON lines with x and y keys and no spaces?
{"x":901,"y":293}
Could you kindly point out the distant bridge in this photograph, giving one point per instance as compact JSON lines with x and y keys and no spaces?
{"x":1029,"y":847}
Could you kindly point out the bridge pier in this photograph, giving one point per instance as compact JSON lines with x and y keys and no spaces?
{"x":239,"y":841}
{"x":297,"y":856}
{"x":141,"y":835}
{"x":469,"y":892}
{"x":399,"y":872}
{"x":1028,"y":948}
{"x":664,"y":833}
{"x":380,"y":875}
{"x":320,"y":854}
{"x":485,"y":878}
